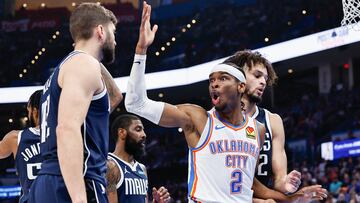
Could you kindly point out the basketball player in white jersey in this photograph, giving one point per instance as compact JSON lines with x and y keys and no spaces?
{"x":272,"y":169}
{"x":223,"y":143}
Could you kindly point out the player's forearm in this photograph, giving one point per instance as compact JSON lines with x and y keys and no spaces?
{"x":279,"y":183}
{"x":113,"y":90}
{"x":136,"y":100}
{"x":70,"y":153}
{"x":262,"y":192}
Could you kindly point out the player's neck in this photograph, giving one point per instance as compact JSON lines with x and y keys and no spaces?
{"x":250,"y":107}
{"x":235,"y":117}
{"x":88,"y":47}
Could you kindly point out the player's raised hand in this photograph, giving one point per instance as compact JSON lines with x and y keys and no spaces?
{"x":308,"y":194}
{"x":293,"y":181}
{"x":147,"y":34}
{"x":161,"y":195}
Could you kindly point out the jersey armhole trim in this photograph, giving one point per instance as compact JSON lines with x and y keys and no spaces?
{"x":208,"y":136}
{"x":19,"y":137}
{"x":118,"y":184}
{"x":268,"y":124}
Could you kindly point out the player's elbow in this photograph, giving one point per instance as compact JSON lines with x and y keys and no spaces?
{"x":132,"y":103}
{"x":115,"y":101}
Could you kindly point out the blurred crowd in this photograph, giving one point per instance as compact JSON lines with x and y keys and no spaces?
{"x":214,"y":35}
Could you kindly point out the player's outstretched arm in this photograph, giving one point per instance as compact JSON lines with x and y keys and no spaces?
{"x":113,"y":90}
{"x":8,"y":144}
{"x":282,"y":182}
{"x":136,"y":100}
{"x":113,"y":176}
{"x":80,"y":79}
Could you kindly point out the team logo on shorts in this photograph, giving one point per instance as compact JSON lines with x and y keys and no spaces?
{"x":250,"y":132}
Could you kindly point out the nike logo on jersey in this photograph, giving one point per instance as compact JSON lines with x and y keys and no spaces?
{"x":137,"y":62}
{"x":218,"y":127}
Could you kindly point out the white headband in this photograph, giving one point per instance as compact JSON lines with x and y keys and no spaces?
{"x":231,"y":70}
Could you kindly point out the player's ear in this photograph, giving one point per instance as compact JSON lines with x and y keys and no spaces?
{"x":122,"y":133}
{"x":100,"y":32}
{"x":241,"y":87}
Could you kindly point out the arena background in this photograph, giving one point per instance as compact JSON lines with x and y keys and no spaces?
{"x":317,"y":93}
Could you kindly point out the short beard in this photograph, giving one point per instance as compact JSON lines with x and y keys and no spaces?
{"x":253,"y":98}
{"x":108,"y":54}
{"x":108,"y":50}
{"x":133,"y":148}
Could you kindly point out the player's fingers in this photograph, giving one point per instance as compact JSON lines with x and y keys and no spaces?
{"x":162,"y":191}
{"x":310,"y":189}
{"x":155,"y":28}
{"x":295,"y":173}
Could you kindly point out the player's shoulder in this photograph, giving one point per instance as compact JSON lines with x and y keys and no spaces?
{"x":11,"y":137}
{"x":81,"y":61}
{"x":12,"y":134}
{"x":272,"y":115}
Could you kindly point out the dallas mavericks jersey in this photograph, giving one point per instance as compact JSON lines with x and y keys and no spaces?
{"x":264,"y":171}
{"x":28,"y":159}
{"x":222,"y":166}
{"x":133,"y":184}
{"x":94,"y":130}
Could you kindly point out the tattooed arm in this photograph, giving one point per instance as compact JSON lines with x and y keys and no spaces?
{"x":113,"y":177}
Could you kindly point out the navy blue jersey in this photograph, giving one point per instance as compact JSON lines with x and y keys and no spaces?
{"x":94,"y":130}
{"x":133,"y":184}
{"x":28,"y":159}
{"x":264,"y":171}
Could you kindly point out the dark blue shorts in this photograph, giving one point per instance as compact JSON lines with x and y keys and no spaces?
{"x":52,"y":189}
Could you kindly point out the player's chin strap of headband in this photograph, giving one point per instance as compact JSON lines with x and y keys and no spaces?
{"x":229,"y":69}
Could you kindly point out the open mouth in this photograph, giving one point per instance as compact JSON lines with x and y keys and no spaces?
{"x":215,"y":98}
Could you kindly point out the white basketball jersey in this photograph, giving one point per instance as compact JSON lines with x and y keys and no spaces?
{"x":222,"y":166}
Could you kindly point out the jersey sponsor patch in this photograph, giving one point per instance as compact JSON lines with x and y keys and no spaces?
{"x":250,"y":132}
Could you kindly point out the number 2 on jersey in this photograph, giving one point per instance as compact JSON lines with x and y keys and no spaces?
{"x":236,"y":184}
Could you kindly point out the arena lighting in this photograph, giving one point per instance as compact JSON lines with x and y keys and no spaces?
{"x":278,"y":52}
{"x":304,"y":12}
{"x":173,"y":39}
